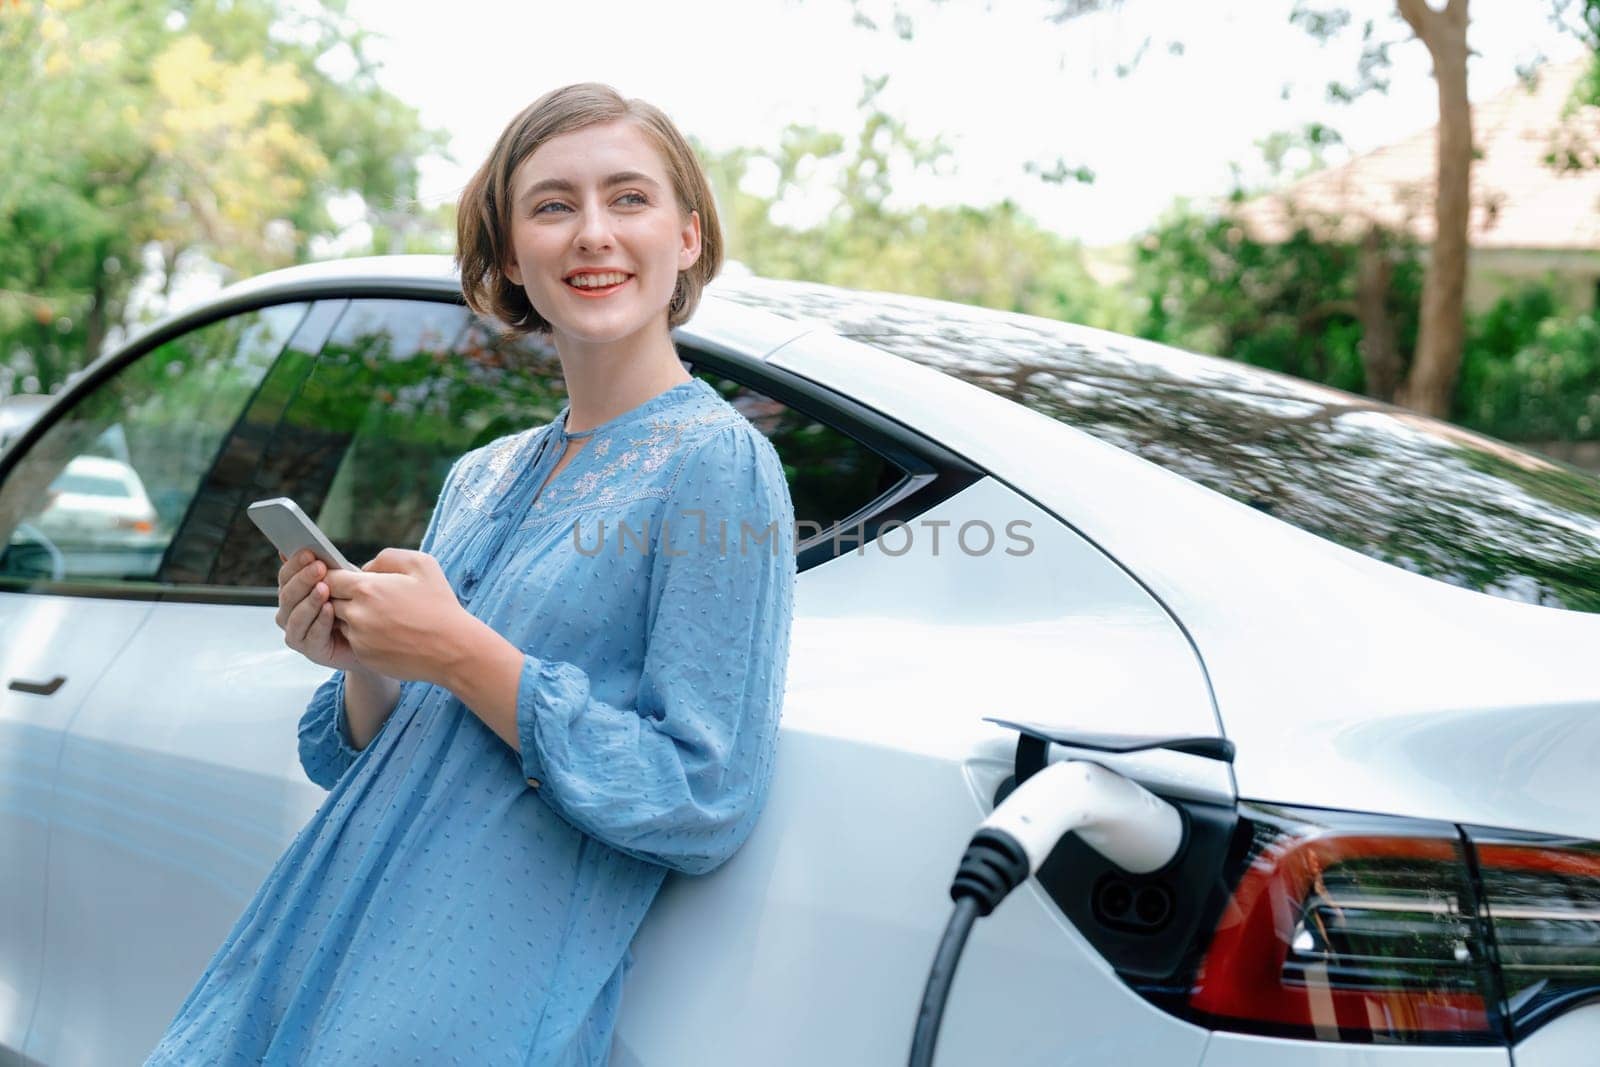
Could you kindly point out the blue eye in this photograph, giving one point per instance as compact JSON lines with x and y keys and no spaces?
{"x":638,"y":196}
{"x":548,"y":203}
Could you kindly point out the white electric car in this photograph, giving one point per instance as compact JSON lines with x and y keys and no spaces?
{"x":1391,"y":621}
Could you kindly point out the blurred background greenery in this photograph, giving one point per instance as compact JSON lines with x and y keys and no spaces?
{"x":141,"y":138}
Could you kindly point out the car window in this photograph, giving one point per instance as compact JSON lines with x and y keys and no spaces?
{"x":402,"y":388}
{"x":832,"y":476}
{"x":143,"y":440}
{"x":1414,"y":492}
{"x":398,"y":392}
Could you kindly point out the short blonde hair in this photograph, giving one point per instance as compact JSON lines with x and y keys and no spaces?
{"x":483,"y":215}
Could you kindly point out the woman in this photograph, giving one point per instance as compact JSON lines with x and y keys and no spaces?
{"x":573,"y":688}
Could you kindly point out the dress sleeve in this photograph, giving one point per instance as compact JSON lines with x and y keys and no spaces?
{"x":680,"y":779}
{"x":325,"y":748}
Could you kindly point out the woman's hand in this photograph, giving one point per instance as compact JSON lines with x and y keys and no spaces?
{"x":400,"y":616}
{"x":305,"y":614}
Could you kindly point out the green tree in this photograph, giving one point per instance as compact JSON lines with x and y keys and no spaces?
{"x":1294,"y":305}
{"x":994,"y":256}
{"x":203,"y":129}
{"x":1430,"y":374}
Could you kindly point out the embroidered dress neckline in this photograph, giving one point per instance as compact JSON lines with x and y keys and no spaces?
{"x":513,"y":486}
{"x":649,"y":407}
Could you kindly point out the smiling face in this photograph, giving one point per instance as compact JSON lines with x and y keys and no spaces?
{"x":598,"y":237}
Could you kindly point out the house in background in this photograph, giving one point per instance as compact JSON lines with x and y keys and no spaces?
{"x":1530,"y":221}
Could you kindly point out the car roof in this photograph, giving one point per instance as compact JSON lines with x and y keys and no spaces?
{"x":426,"y":270}
{"x":719,"y":321}
{"x":863,"y":315}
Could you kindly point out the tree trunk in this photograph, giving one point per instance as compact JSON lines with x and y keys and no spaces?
{"x":1380,"y":351}
{"x":169,"y":267}
{"x":1430,"y":388}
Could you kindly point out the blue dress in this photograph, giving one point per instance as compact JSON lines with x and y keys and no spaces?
{"x":454,"y":901}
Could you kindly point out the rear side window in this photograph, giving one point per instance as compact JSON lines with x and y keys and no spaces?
{"x":400,"y":390}
{"x":102,"y":493}
{"x":832,"y":476}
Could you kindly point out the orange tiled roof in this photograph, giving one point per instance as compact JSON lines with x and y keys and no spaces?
{"x":1517,"y":200}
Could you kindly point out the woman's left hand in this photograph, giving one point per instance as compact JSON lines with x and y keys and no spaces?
{"x":400,"y":615}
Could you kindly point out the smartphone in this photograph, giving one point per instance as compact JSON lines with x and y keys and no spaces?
{"x":290,"y":530}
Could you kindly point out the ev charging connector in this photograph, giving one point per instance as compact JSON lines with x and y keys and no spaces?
{"x":1126,"y":823}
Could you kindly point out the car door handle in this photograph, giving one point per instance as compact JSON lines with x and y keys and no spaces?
{"x":43,"y":689}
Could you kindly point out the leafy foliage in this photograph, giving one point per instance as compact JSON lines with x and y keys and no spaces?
{"x":995,"y":255}
{"x":208,"y":128}
{"x":1206,"y":285}
{"x":1531,"y":371}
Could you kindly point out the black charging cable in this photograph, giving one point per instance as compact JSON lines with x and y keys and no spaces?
{"x":993,"y":865}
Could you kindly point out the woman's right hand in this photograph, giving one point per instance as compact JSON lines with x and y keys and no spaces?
{"x":305,"y":614}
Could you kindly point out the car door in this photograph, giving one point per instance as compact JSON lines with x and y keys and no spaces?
{"x":89,"y":580}
{"x":53,"y":647}
{"x":207,"y":784}
{"x":190,"y":762}
{"x":78,"y":577}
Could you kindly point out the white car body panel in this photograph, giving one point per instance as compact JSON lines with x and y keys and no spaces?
{"x":1246,"y":1050}
{"x":168,"y":796}
{"x":1344,"y":682}
{"x":41,"y":638}
{"x":715,"y":322}
{"x":1568,"y":1041}
{"x":812,"y":945}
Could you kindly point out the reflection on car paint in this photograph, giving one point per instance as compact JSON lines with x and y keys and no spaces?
{"x":1396,"y":486}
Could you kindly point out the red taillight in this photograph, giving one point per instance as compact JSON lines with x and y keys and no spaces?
{"x":140,"y":525}
{"x":1341,"y":926}
{"x":1543,"y":902}
{"x":1347,"y":928}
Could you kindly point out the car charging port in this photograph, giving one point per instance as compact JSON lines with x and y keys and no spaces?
{"x":1122,"y":904}
{"x":1133,"y":836}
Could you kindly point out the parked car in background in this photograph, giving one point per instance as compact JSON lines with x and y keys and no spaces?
{"x":1395,"y":622}
{"x":99,"y":519}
